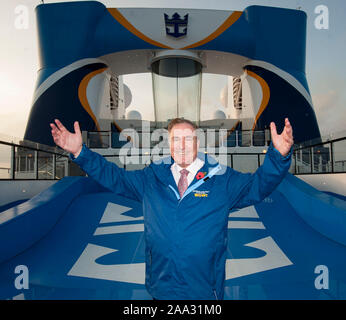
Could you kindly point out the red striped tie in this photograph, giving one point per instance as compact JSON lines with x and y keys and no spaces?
{"x":182,"y":184}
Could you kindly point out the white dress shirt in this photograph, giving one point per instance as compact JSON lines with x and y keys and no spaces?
{"x":193,"y":168}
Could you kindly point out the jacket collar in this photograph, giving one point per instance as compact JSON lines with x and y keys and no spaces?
{"x":162,"y":168}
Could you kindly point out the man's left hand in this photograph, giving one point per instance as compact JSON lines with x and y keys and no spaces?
{"x":284,"y":141}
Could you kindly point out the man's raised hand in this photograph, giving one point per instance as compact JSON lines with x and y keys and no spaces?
{"x":70,"y":142}
{"x":284,"y":141}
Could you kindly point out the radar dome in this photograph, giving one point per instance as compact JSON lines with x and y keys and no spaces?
{"x":219,"y":114}
{"x":134,"y":115}
{"x":127,"y":96}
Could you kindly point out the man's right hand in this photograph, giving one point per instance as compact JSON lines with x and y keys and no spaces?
{"x":70,"y":142}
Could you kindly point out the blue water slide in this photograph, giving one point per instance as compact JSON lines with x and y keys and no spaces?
{"x":77,"y":240}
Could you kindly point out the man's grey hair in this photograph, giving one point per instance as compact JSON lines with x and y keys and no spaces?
{"x":175,"y":121}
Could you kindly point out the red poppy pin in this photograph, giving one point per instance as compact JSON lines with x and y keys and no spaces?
{"x":200,"y":175}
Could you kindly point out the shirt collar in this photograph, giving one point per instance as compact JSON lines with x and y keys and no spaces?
{"x":192,"y":167}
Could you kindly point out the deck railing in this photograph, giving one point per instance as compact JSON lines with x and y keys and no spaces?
{"x":241,"y":150}
{"x":322,"y":155}
{"x":27,"y":160}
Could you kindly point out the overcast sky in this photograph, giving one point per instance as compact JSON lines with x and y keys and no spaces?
{"x":325,"y":69}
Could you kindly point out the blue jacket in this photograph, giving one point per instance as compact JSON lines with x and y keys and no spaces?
{"x":186,"y":238}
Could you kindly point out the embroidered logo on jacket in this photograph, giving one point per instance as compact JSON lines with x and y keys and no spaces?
{"x":199,"y":193}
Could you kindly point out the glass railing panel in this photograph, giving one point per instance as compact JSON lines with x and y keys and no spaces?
{"x":258,"y":138}
{"x":292,"y":168}
{"x":245,"y":162}
{"x":61,"y":166}
{"x":303,"y":164}
{"x":25,"y":163}
{"x":45,"y":165}
{"x":339,"y":156}
{"x":245,"y":138}
{"x":5,"y":162}
{"x":98,"y":139}
{"x":322,"y":158}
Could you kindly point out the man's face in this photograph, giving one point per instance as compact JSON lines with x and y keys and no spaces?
{"x":183,"y":144}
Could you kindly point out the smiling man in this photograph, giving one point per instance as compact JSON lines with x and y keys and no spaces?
{"x":186,"y":202}
{"x":184,"y":146}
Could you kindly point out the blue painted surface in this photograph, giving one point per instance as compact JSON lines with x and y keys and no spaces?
{"x":21,"y":226}
{"x":336,"y":195}
{"x":51,"y":232}
{"x":324,"y":213}
{"x":71,"y":31}
{"x":64,"y":104}
{"x":11,"y":204}
{"x":86,"y":29}
{"x":293,"y":106}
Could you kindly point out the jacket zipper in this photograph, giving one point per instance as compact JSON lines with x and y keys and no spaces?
{"x":197,"y":184}
{"x":175,"y":192}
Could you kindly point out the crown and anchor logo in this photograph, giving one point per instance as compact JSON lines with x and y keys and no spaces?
{"x":176,"y":26}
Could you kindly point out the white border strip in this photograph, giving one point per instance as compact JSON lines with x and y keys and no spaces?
{"x":245,"y":225}
{"x":56,"y":76}
{"x":284,"y":75}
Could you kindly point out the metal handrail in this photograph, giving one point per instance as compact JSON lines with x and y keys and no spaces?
{"x":36,"y":148}
{"x":327,"y":144}
{"x":236,"y":135}
{"x":298,"y":164}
